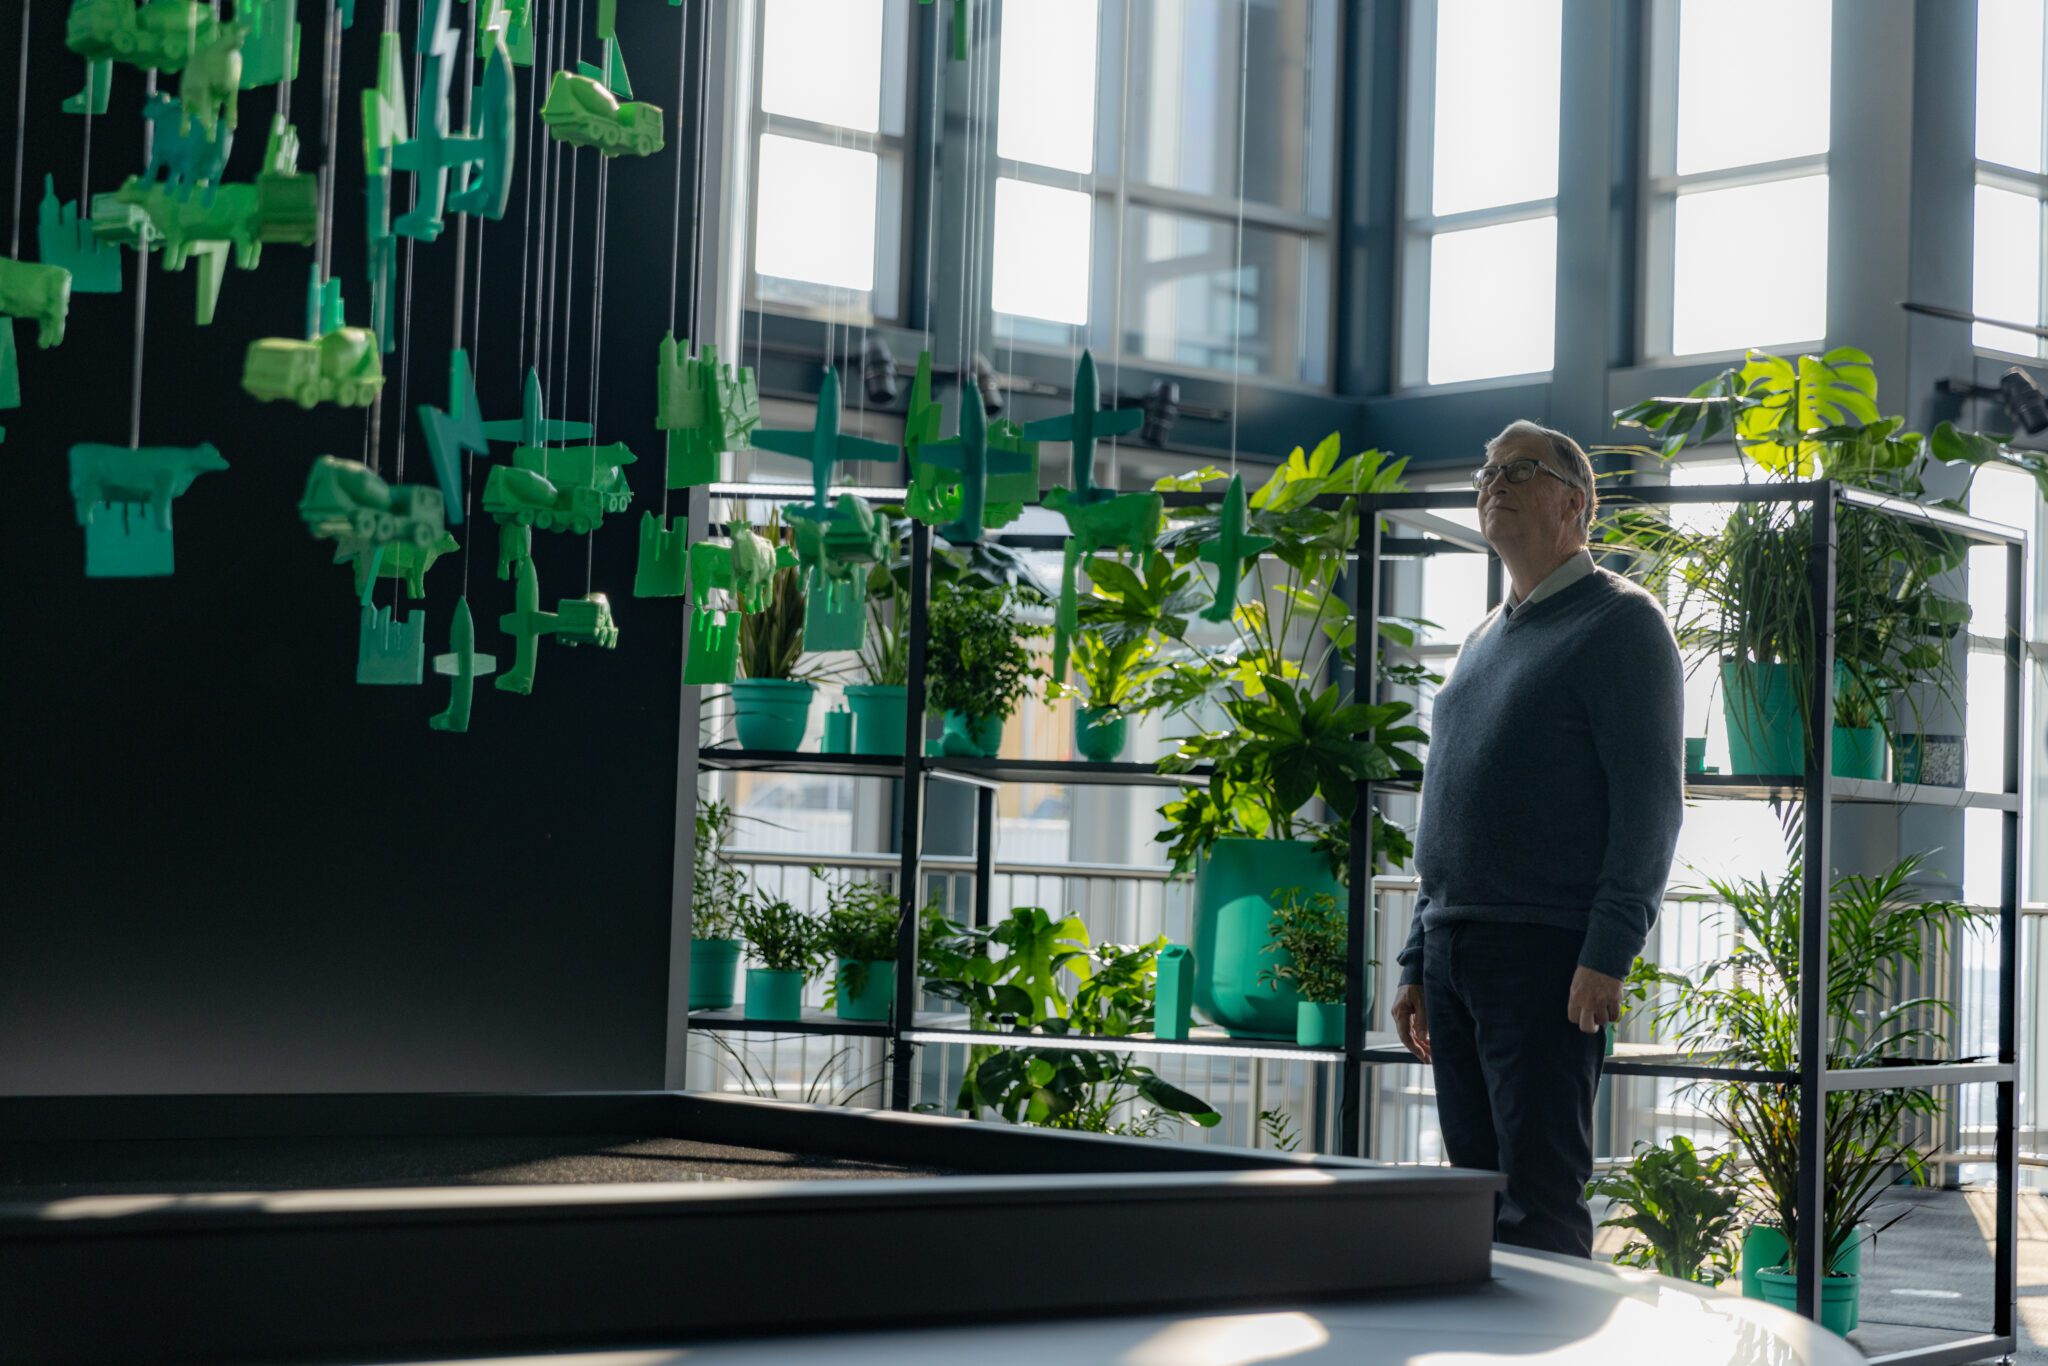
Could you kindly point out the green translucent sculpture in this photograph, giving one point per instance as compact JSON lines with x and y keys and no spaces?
{"x":706,"y":408}
{"x":99,"y":84}
{"x":495,"y":116}
{"x":1229,"y":551}
{"x":38,"y":292}
{"x":663,"y":566}
{"x":64,"y":239}
{"x":515,"y":545}
{"x":198,"y":230}
{"x":824,"y":446}
{"x":270,"y":51}
{"x":1084,"y":426}
{"x":162,"y":35}
{"x":463,"y":666}
{"x":1127,"y":521}
{"x":713,"y":647}
{"x":391,"y":653}
{"x":210,"y":90}
{"x":10,"y":371}
{"x":184,"y":154}
{"x":582,"y":113}
{"x":401,"y":559}
{"x":433,"y":151}
{"x":345,"y":500}
{"x":515,"y":17}
{"x":123,"y":499}
{"x":339,"y":365}
{"x":383,"y":130}
{"x":575,"y":621}
{"x":565,"y":488}
{"x":958,"y":475}
{"x":835,"y":555}
{"x":287,"y":202}
{"x":533,"y":426}
{"x":449,"y":433}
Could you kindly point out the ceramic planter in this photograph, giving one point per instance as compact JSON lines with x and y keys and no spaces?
{"x":879,"y":711}
{"x":714,"y":969}
{"x":1760,"y":707}
{"x":1319,"y":1025}
{"x":773,"y":995}
{"x":1099,"y":734}
{"x":1859,"y":752}
{"x":877,"y":990}
{"x":972,"y":737}
{"x":1233,"y":907}
{"x":1841,"y":1296}
{"x":1764,"y":1248}
{"x":772,"y":713}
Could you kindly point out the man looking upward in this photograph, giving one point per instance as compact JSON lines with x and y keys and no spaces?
{"x":1550,"y":812}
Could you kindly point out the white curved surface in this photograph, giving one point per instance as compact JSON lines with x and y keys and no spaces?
{"x":1537,"y":1309}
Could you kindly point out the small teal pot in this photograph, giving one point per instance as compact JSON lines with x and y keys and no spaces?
{"x":972,"y":737}
{"x":773,"y":995}
{"x":879,"y":711}
{"x":1841,"y":1297}
{"x":772,"y":713}
{"x":1764,"y":1248}
{"x":877,"y":990}
{"x":1859,"y":752}
{"x":1100,"y":733}
{"x":714,"y":970}
{"x":1319,"y":1025}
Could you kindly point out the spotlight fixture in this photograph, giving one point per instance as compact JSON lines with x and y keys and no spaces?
{"x":2016,"y":392}
{"x":878,"y":369}
{"x":1162,"y":410}
{"x":988,"y":386}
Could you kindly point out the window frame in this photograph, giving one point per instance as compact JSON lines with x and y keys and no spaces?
{"x":2033,"y":184}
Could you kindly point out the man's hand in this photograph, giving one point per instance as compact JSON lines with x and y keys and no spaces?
{"x":1411,"y":1020}
{"x":1595,"y":1000}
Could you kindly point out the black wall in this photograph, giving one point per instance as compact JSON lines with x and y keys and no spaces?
{"x":224,"y":866}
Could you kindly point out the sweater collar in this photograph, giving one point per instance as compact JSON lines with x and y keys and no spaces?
{"x":1559,"y":579}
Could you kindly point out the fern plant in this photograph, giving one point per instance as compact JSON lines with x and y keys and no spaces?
{"x":1312,"y":932}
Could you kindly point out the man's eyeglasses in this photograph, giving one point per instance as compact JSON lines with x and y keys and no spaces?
{"x":1518,"y":472}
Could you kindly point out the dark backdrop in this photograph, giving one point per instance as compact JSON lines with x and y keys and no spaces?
{"x":228,"y":867}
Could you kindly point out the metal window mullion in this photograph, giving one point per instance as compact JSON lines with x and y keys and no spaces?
{"x":1734,"y":177}
{"x":1222,"y":208}
{"x":1435,"y":225}
{"x":1809,"y":1205}
{"x":1999,"y":176}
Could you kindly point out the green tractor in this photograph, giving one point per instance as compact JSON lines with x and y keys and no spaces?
{"x":583,"y":113}
{"x":341,"y":367}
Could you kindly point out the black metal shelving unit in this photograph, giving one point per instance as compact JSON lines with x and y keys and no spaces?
{"x":1816,"y":788}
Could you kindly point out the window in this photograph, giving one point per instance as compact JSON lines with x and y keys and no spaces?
{"x":1737,"y":254}
{"x":1136,"y":212}
{"x":829,"y":150}
{"x":2012,"y":173}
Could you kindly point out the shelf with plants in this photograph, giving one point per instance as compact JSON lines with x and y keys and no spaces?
{"x":808,"y":1022}
{"x":1779,"y":787}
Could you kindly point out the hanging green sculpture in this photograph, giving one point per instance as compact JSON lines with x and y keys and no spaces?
{"x":462,"y":666}
{"x":335,"y":364}
{"x":662,"y":569}
{"x":162,"y":35}
{"x":433,"y":151}
{"x":65,"y":240}
{"x":123,"y":497}
{"x":581,"y":112}
{"x":706,"y":407}
{"x":38,"y":292}
{"x":270,"y":50}
{"x":454,"y":430}
{"x":980,"y":479}
{"x":383,"y":130}
{"x":575,"y":621}
{"x":389,"y":653}
{"x":1229,"y":551}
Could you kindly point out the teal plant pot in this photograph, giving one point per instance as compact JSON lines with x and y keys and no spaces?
{"x":771,"y":713}
{"x":879,"y":713}
{"x":1859,"y":752}
{"x":877,"y":990}
{"x":714,"y":970}
{"x":972,"y":737}
{"x":1233,"y":908}
{"x":1760,"y":706}
{"x":1841,"y":1297}
{"x":1099,"y":734}
{"x":773,"y":995}
{"x":1764,"y":1247}
{"x":1319,"y":1025}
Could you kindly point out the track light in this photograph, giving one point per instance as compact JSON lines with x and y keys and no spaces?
{"x":878,"y":369}
{"x":1162,"y":410}
{"x":2016,"y":392}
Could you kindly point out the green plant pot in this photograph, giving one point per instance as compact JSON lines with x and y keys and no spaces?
{"x":714,"y":969}
{"x":879,"y":712}
{"x":773,"y":995}
{"x":1764,"y":1246}
{"x":1099,"y":734}
{"x":877,"y":993}
{"x":972,"y":737}
{"x":1319,"y":1025}
{"x":1233,"y":907}
{"x":1841,"y":1297}
{"x":1859,"y":752}
{"x":1760,"y":707}
{"x":771,"y":713}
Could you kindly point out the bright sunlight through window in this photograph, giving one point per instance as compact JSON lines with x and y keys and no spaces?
{"x":1041,"y":252}
{"x":791,"y":237}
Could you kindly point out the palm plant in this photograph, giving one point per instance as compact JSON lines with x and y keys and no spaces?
{"x":772,"y":641}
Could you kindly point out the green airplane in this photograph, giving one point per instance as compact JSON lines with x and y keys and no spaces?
{"x":463,"y":667}
{"x":823,"y":447}
{"x":1231,"y":548}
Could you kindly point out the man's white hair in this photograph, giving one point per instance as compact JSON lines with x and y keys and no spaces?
{"x":1566,"y":456}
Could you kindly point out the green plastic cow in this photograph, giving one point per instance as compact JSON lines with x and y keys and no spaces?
{"x":29,"y":290}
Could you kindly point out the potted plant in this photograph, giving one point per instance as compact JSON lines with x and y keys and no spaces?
{"x":1681,"y":1210}
{"x":1115,"y":656}
{"x":1741,"y":1009}
{"x":1742,"y":594}
{"x":784,"y":942}
{"x":859,"y":930}
{"x":881,"y":703}
{"x":1309,"y":935}
{"x":977,"y":666}
{"x":771,"y":705}
{"x":1277,"y":734}
{"x":717,"y":890}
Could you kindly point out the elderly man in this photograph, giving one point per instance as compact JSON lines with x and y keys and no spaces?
{"x":1555,"y":789}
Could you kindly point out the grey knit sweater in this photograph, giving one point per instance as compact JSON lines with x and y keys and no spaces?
{"x":1556,"y":778}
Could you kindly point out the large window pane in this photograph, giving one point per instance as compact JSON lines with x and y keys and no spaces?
{"x":796,"y":177}
{"x":1492,"y":301}
{"x":1188,"y":301}
{"x":1046,"y":109}
{"x":1752,"y":81}
{"x":1497,"y":75}
{"x":2007,"y":268}
{"x":1750,"y":266}
{"x":1041,"y":252}
{"x":1182,"y":128}
{"x":2010,"y":67}
{"x":822,"y":60}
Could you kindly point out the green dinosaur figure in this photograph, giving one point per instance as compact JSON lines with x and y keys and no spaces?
{"x":123,"y":498}
{"x":64,"y":239}
{"x":30,"y":290}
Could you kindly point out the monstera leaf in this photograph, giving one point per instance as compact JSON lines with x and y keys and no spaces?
{"x":1787,"y":401}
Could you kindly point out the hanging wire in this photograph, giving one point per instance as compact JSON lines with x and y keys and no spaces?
{"x":534,"y":136}
{"x":411,"y":245}
{"x":604,"y":167}
{"x":1123,"y":232}
{"x":21,"y":123}
{"x":141,"y":279}
{"x":1244,"y":63}
{"x":931,"y":197}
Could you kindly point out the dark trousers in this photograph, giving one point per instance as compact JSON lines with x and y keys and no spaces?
{"x":1515,"y":1078}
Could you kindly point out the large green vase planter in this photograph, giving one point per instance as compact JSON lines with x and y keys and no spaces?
{"x":1763,"y":1276}
{"x":1319,"y":1024}
{"x":714,"y":970}
{"x":771,"y":713}
{"x":1764,"y":732}
{"x":1100,"y":734}
{"x":1859,"y":752}
{"x":773,"y":995}
{"x":879,"y":711}
{"x":877,"y":990}
{"x":1233,"y":908}
{"x":972,"y":737}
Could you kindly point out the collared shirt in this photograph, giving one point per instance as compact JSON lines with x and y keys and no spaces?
{"x":1560,"y":578}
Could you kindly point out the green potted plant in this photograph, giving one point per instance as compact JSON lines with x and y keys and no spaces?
{"x":881,"y":703}
{"x":771,"y":705}
{"x":1741,"y":590}
{"x":859,"y":931}
{"x":717,"y":890}
{"x":784,"y":943}
{"x":1681,"y":1210}
{"x":1309,"y":936}
{"x":977,"y":666}
{"x":1110,"y":672}
{"x":1741,"y":1010}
